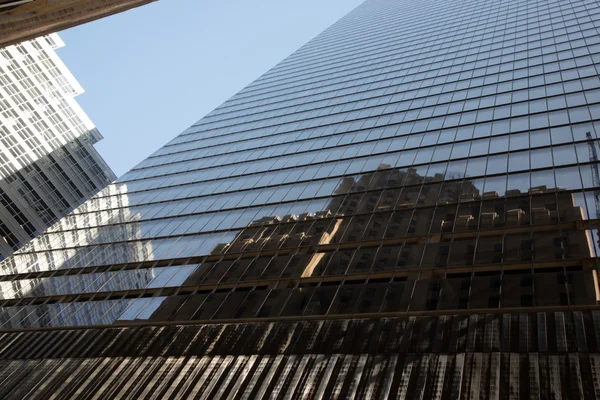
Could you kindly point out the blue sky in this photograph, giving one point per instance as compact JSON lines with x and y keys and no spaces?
{"x":151,"y":72}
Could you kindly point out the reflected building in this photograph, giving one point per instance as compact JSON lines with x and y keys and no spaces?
{"x":405,"y":207}
{"x":68,"y":278}
{"x":388,"y":223}
{"x":48,"y":163}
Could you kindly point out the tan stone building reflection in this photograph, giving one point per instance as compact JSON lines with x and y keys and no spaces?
{"x":376,"y":247}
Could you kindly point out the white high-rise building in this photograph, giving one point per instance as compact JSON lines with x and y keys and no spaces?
{"x":48,"y":164}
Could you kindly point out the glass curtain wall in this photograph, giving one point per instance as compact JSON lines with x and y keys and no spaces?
{"x":408,"y":159}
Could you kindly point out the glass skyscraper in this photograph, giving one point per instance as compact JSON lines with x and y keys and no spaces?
{"x":405,"y":207}
{"x":48,"y":163}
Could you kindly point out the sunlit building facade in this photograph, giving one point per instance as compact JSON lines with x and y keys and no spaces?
{"x":22,"y":20}
{"x":48,"y":163}
{"x":405,"y":207}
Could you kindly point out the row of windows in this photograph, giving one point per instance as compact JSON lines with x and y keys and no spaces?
{"x":570,"y":66}
{"x":69,"y":314}
{"x":486,"y":121}
{"x":409,"y":260}
{"x":540,"y":210}
{"x":424,"y":161}
{"x":511,"y":289}
{"x":440,"y":65}
{"x":96,"y":282}
{"x":354,"y":203}
{"x":494,"y":164}
{"x":543,"y":210}
{"x":365,"y":142}
{"x":352,"y":213}
{"x":432,"y":104}
{"x":428,"y":96}
{"x":541,"y":247}
{"x":546,"y":245}
{"x":439,"y":46}
{"x":369,"y":76}
{"x":495,"y":107}
{"x":407,"y":198}
{"x":117,"y":253}
{"x":429,"y":39}
{"x":138,"y":251}
{"x":357,"y":298}
{"x":517,"y":160}
{"x":391,"y":29}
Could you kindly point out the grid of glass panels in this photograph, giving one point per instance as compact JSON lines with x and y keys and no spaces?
{"x":412,"y":158}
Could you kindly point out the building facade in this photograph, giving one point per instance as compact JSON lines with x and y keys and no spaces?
{"x":405,"y":207}
{"x":48,"y":164}
{"x":22,"y":20}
